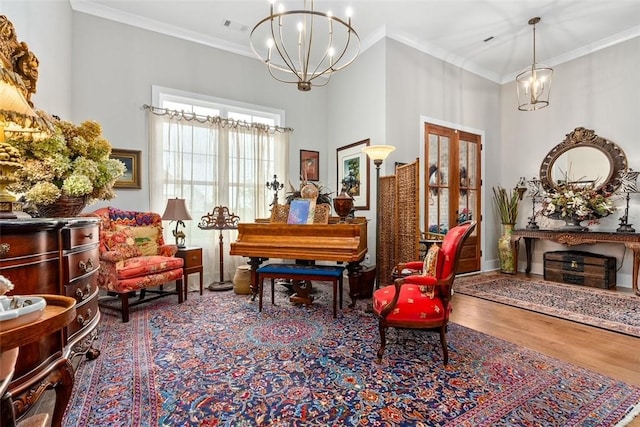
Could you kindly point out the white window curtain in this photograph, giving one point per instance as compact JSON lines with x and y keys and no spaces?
{"x":209,"y":162}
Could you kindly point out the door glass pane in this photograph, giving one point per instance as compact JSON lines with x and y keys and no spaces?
{"x":437,"y":205}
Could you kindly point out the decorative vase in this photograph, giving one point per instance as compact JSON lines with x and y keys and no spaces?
{"x":343,"y":204}
{"x":64,"y":207}
{"x":573,"y":224}
{"x":506,"y":250}
{"x":309,"y":191}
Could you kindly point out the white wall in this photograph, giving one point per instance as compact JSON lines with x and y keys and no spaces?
{"x":46,"y":28}
{"x":600,"y":92}
{"x":356,"y":112}
{"x":419,"y":85}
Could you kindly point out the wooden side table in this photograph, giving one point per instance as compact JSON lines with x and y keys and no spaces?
{"x":192,"y":264}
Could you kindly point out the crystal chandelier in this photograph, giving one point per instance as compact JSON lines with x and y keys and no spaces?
{"x":534,"y":83}
{"x":299,"y":46}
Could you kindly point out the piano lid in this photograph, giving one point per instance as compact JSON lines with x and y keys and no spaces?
{"x":322,"y":242}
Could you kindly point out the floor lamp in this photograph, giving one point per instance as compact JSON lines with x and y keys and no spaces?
{"x":378,"y":153}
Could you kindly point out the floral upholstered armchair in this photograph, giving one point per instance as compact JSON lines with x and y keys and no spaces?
{"x":421,"y":297}
{"x":134,"y":258}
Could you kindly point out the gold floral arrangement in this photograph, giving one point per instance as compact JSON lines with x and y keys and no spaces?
{"x":579,"y":202}
{"x":73,"y":161}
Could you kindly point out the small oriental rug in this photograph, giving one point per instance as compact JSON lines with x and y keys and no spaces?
{"x":602,"y":308}
{"x":216,"y":361}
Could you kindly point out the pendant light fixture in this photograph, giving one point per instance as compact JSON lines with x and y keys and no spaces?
{"x":534,"y":83}
{"x":298,"y":46}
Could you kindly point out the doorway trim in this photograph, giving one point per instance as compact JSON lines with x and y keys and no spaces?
{"x":422,"y":154}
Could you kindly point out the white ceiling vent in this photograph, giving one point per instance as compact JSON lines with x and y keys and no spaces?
{"x":235,"y":26}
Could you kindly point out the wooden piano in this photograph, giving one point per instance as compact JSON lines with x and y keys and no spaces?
{"x":335,"y":241}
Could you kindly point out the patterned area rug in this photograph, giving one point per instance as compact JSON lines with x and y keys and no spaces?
{"x":592,"y":306}
{"x":215,"y":361}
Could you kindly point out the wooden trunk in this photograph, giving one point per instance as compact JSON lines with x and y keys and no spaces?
{"x":580,"y":268}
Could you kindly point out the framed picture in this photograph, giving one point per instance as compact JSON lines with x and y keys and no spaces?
{"x":310,"y":165}
{"x":131,"y":160}
{"x":352,"y":160}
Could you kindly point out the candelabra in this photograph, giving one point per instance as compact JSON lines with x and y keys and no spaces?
{"x":535,"y":189}
{"x":275,"y":186}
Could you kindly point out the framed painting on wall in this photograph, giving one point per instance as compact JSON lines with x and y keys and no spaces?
{"x":131,"y":160}
{"x":309,"y":165}
{"x":352,"y":160}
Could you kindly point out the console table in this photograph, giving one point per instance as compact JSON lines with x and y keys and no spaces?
{"x":572,"y":238}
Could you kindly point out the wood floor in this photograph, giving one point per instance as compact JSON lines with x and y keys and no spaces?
{"x":612,"y":354}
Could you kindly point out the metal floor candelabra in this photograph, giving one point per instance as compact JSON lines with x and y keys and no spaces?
{"x":220,"y":219}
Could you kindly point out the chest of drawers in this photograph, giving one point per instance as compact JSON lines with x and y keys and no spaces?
{"x":60,"y":257}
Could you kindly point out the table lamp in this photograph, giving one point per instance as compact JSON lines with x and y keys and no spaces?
{"x":176,"y":210}
{"x":16,"y":116}
{"x":628,"y":185}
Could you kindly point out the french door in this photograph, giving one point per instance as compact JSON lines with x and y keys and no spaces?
{"x":453,"y":187}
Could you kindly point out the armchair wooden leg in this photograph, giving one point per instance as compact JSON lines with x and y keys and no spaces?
{"x":443,"y":341}
{"x":179,"y":284}
{"x":124,"y":302}
{"x":383,"y":341}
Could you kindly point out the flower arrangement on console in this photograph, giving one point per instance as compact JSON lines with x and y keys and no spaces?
{"x":577,"y":202}
{"x":73,"y":161}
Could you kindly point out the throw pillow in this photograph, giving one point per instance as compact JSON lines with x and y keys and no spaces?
{"x":146,"y":238}
{"x":121,"y":242}
{"x":431,"y":267}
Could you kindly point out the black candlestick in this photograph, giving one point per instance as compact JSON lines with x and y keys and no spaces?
{"x":624,"y":226}
{"x":275,"y":186}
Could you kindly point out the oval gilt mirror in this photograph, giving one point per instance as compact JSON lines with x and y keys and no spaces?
{"x":584,"y":158}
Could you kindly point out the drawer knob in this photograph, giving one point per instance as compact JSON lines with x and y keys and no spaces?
{"x":83,"y":295}
{"x":86,"y":267}
{"x":574,"y":264}
{"x":4,"y":248}
{"x":81,"y":320}
{"x":88,"y":236}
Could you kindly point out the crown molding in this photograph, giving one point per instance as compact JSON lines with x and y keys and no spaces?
{"x":111,"y":14}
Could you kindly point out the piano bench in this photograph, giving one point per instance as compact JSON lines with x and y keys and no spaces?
{"x":325,"y":273}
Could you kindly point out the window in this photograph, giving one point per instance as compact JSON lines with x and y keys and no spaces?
{"x":214,"y":152}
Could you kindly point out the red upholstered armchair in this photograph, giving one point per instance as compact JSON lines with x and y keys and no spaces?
{"x":134,"y":258}
{"x":423,"y":300}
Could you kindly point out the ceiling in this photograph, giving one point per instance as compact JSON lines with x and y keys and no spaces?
{"x":455,"y":31}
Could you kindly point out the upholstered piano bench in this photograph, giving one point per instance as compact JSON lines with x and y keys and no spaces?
{"x":325,"y":273}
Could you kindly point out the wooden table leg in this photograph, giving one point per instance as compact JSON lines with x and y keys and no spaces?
{"x":254,"y":262}
{"x":528,"y":247}
{"x":354,"y":272}
{"x":60,"y":379}
{"x":635,"y":247}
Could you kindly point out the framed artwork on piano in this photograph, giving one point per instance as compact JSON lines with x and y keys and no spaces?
{"x":353,"y":167}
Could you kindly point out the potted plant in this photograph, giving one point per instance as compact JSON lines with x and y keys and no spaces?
{"x":506,"y":204}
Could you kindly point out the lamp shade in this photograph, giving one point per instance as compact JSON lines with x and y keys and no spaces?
{"x":629,"y":181}
{"x":16,"y":115}
{"x":176,"y":210}
{"x":378,"y":152}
